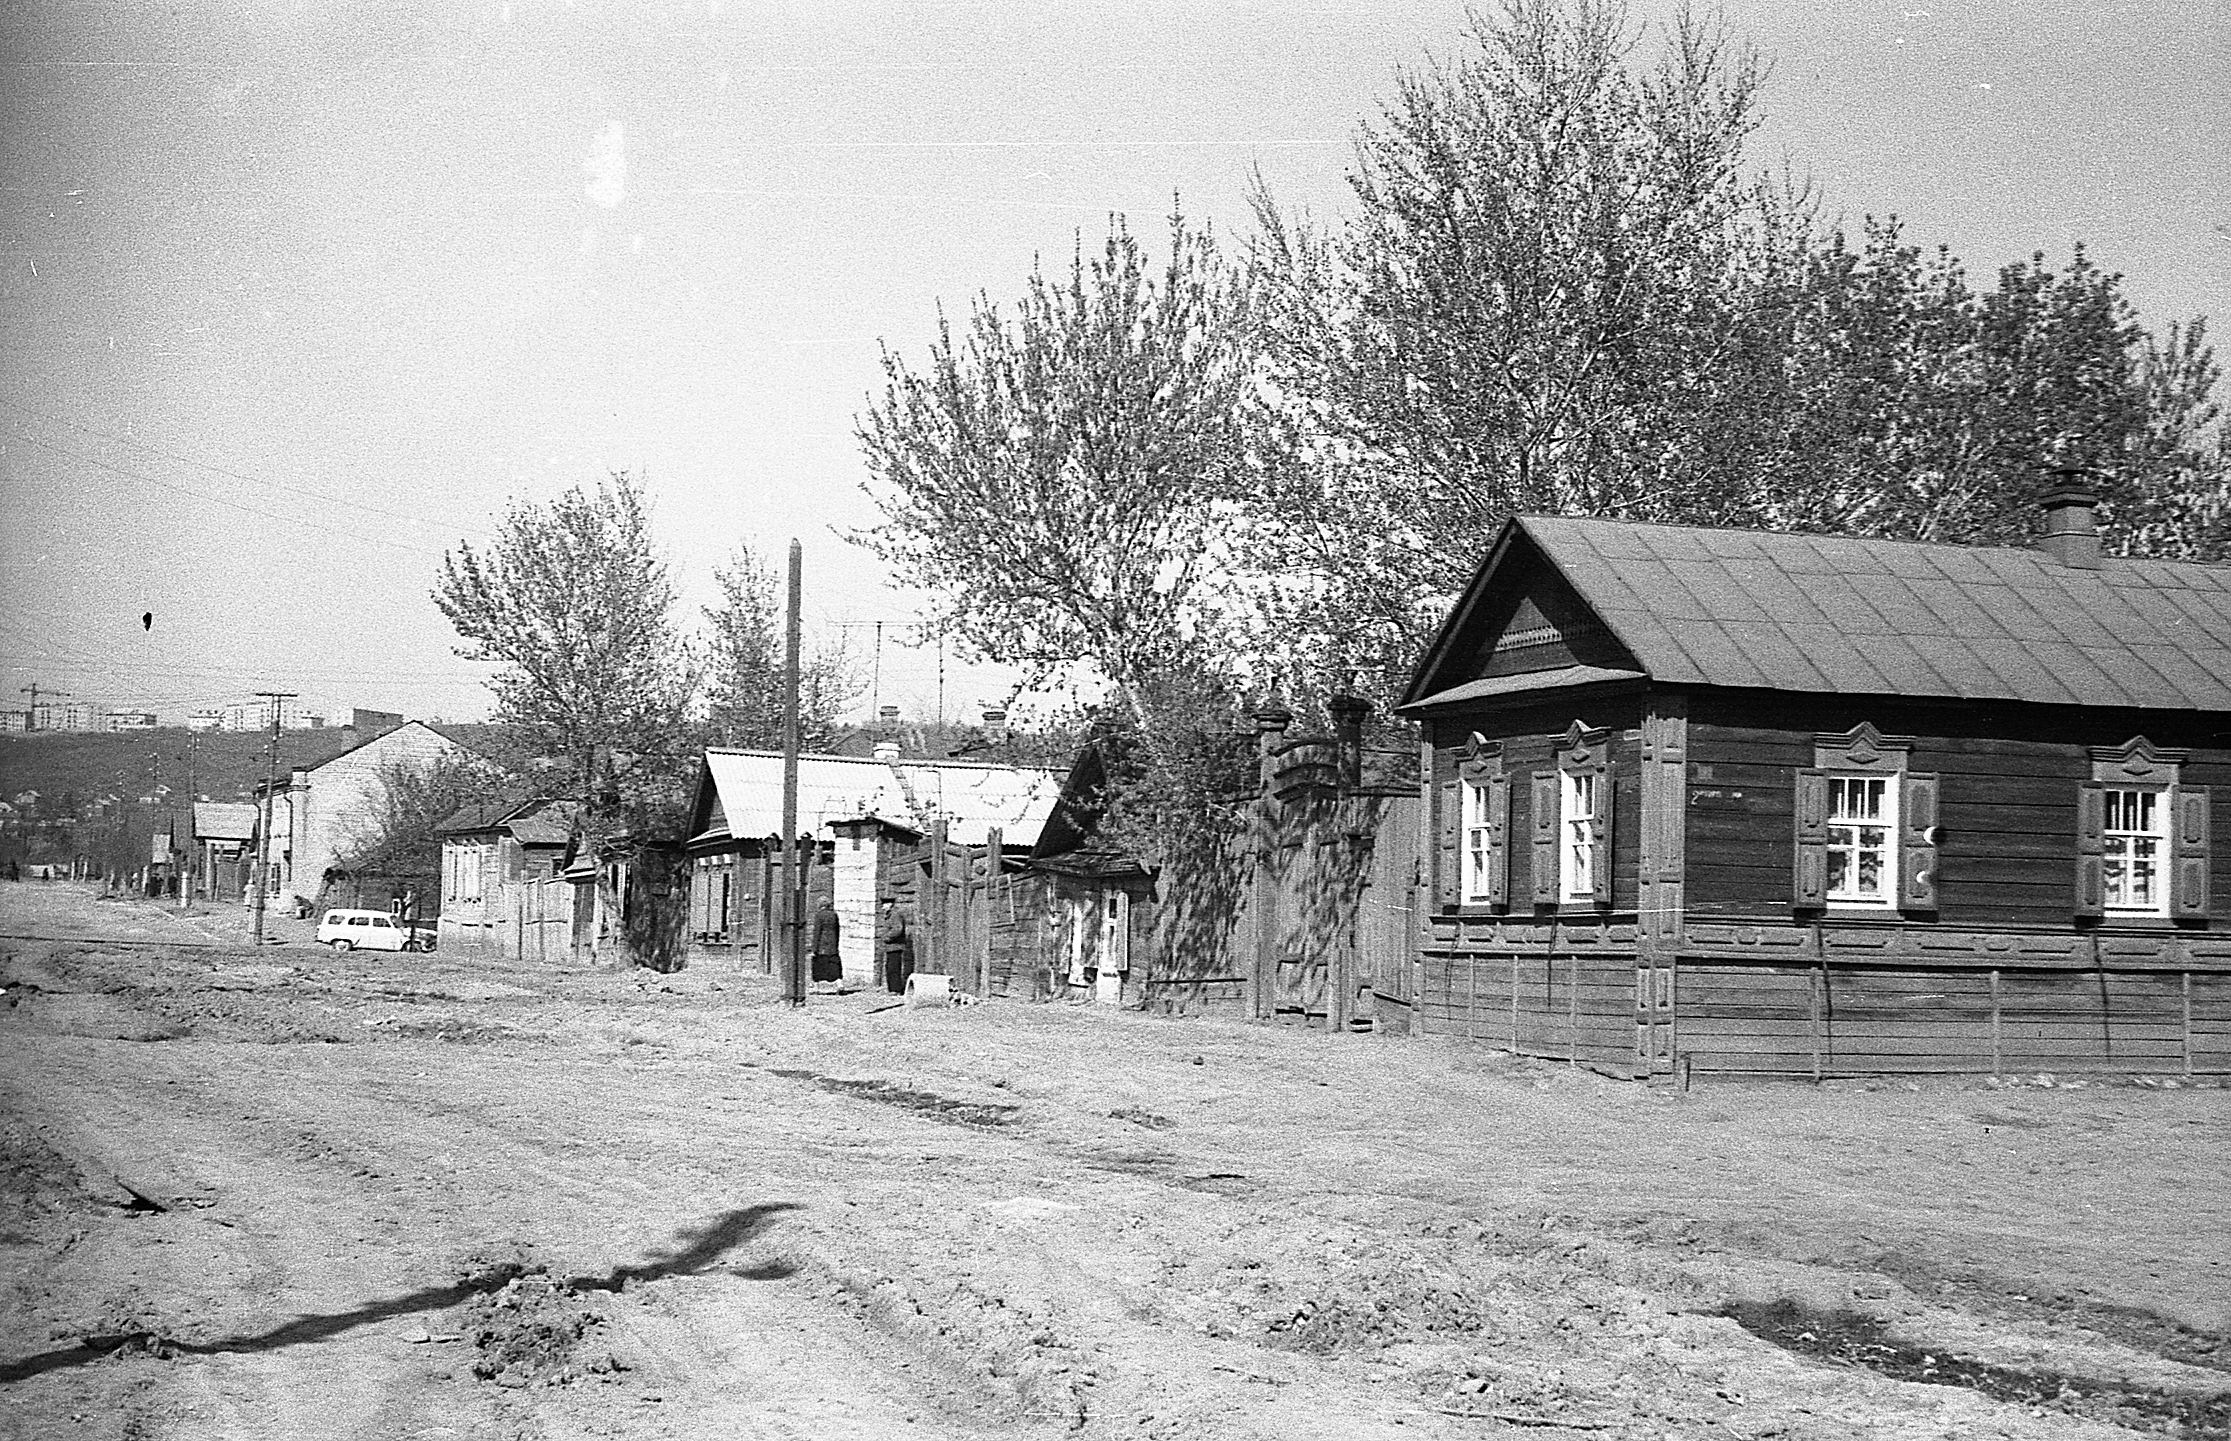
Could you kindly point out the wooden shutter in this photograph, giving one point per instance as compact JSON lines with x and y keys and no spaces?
{"x":2188,"y":876}
{"x":1448,"y":855}
{"x":2091,"y":847}
{"x":1811,"y":889}
{"x":1917,"y":845}
{"x":1599,"y":850}
{"x":1499,"y":840}
{"x":1545,"y":837}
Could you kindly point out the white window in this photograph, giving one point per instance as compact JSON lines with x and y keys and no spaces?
{"x":1577,"y":838}
{"x":1478,"y":841}
{"x":1862,"y":840}
{"x":2134,"y":840}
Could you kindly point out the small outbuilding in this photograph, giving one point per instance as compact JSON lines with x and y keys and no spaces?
{"x":856,"y":816}
{"x":1802,"y":805}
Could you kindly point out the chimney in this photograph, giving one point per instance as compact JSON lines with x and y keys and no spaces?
{"x":995,"y":725}
{"x":1348,"y":713}
{"x":887,"y":721}
{"x":2071,"y":531}
{"x":1271,"y":721}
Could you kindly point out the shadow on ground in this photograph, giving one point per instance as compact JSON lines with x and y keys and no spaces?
{"x":697,"y":1249}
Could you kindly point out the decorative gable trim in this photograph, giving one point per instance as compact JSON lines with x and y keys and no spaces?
{"x":2136,"y":762}
{"x":1479,"y":757}
{"x":1862,"y":748}
{"x":1583,"y":748}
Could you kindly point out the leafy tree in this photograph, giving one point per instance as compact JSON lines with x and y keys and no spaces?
{"x":413,"y":799}
{"x":1918,"y":408}
{"x":1544,"y":301}
{"x":1064,"y":482}
{"x":573,"y":602}
{"x":1560,"y":291}
{"x":745,"y":664}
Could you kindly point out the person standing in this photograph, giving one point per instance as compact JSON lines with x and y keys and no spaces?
{"x":828,"y":968}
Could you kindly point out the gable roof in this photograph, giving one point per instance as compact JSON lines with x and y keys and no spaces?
{"x":224,"y":821}
{"x":1692,"y":605}
{"x":533,"y":823}
{"x":740,"y":795}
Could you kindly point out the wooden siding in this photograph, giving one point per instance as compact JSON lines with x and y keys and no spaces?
{"x":1834,"y":1021}
{"x":2007,"y":804}
{"x":1575,"y":1006}
{"x":1529,"y":734}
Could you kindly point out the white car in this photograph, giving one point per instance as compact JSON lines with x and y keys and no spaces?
{"x":365,"y":931}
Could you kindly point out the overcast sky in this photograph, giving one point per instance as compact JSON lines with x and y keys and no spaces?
{"x":295,"y":296}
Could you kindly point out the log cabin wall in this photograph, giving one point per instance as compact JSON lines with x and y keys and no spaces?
{"x":1542,"y":978}
{"x":2003,"y":975}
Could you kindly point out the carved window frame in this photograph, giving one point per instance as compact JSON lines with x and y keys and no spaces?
{"x":1583,"y":755}
{"x":1483,"y":825}
{"x":1909,"y":820}
{"x":2140,"y":766}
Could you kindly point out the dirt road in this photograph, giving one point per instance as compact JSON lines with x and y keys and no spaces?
{"x":281,"y":1193}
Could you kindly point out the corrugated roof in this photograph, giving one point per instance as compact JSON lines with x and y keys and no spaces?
{"x":224,"y":821}
{"x":971,"y":797}
{"x":1834,"y":614}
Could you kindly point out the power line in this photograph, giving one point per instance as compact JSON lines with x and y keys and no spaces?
{"x":212,"y":467}
{"x":144,"y":479}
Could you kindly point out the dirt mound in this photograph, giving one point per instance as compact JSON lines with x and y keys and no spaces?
{"x":528,"y":1330}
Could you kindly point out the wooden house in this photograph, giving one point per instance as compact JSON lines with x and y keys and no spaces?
{"x":502,"y":886}
{"x":1812,"y":806}
{"x":856,"y":816}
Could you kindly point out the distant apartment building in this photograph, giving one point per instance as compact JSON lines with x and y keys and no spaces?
{"x":14,"y":720}
{"x":255,"y":715}
{"x":129,"y":720}
{"x":205,"y":720}
{"x":77,"y":715}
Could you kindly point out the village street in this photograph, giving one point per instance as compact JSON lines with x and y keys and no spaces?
{"x":284,"y":1193}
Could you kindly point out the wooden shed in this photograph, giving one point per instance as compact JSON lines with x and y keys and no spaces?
{"x":1810,"y":806}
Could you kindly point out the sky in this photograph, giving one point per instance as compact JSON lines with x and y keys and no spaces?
{"x":296,"y":297}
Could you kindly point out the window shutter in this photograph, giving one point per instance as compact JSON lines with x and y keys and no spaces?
{"x":1811,"y":890}
{"x":1499,"y":840}
{"x":1917,"y":845}
{"x":2091,"y":846}
{"x":1545,"y":838}
{"x":2188,"y":884}
{"x":1448,"y":856}
{"x":1599,"y":859}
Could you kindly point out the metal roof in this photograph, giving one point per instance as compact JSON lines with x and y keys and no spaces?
{"x":1832,"y":614}
{"x":971,"y":797}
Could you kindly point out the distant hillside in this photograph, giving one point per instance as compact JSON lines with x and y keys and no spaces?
{"x":74,"y":769}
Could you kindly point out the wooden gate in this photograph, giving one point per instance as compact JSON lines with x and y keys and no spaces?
{"x":1335,"y":890}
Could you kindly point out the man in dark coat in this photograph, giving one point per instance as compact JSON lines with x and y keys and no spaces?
{"x":827,"y":968}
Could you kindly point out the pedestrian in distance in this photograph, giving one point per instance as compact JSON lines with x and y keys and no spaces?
{"x":828,"y":970}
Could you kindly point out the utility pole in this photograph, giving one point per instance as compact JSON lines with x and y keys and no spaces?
{"x":793,"y":969}
{"x":192,"y":848}
{"x":270,"y":807}
{"x":35,"y":690}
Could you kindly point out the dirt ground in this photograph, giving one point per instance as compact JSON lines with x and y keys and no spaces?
{"x":280,"y":1193}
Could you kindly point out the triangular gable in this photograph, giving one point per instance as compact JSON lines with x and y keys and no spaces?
{"x":1519,"y":617}
{"x":707,"y":820}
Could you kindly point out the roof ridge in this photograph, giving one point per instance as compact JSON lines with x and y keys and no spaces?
{"x":2116,"y":561}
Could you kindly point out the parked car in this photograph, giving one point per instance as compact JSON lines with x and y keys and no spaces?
{"x":370,"y":931}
